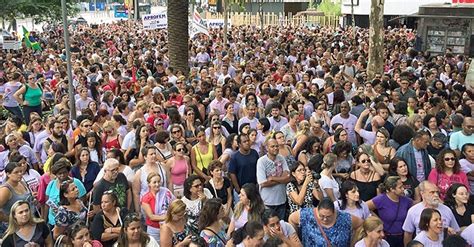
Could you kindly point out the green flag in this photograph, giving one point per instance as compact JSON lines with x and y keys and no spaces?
{"x":33,"y":45}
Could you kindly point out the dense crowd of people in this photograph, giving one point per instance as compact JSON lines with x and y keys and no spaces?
{"x":276,"y":138}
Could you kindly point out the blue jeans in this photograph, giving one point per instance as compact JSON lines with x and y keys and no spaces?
{"x":29,"y":109}
{"x":15,"y":111}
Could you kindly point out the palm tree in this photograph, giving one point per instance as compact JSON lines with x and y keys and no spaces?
{"x":178,"y":35}
{"x":375,"y":64}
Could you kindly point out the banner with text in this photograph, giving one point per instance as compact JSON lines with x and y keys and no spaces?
{"x":217,"y":23}
{"x":155,"y":21}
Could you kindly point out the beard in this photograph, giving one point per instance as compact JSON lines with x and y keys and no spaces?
{"x":58,"y":136}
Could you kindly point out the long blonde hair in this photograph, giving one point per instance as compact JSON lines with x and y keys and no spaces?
{"x":13,"y":224}
{"x":176,"y":206}
{"x":370,"y":224}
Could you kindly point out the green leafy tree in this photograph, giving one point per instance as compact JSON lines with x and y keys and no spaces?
{"x":328,"y":7}
{"x":39,"y":10}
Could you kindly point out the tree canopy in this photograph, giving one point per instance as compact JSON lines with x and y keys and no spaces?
{"x":39,"y":10}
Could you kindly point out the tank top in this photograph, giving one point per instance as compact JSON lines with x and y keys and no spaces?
{"x":15,"y":197}
{"x":165,"y":153}
{"x":33,"y":95}
{"x":203,"y":160}
{"x":111,"y":144}
{"x":179,"y":171}
{"x":144,"y":188}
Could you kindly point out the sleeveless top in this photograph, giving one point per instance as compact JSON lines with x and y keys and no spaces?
{"x":203,"y":160}
{"x":33,"y":95}
{"x":339,"y":234}
{"x":144,"y":188}
{"x":16,"y":197}
{"x":165,"y":153}
{"x":179,"y":171}
{"x":108,"y":145}
{"x":367,"y":190}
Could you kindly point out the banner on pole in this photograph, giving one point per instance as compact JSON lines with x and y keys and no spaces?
{"x":11,"y":45}
{"x":155,"y":21}
{"x":217,"y":23}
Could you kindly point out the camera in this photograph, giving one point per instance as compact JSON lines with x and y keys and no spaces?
{"x":316,"y":176}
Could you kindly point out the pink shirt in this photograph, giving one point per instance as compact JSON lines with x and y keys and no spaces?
{"x":443,"y":181}
{"x":179,"y":171}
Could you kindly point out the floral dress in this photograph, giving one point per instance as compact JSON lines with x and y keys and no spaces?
{"x":339,"y":234}
{"x":65,"y":217}
{"x":308,"y":197}
{"x":216,"y":240}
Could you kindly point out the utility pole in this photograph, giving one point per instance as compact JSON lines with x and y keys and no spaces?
{"x":136,"y":8}
{"x":72,"y":102}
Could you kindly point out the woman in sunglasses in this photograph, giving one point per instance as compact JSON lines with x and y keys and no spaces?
{"x":132,"y":234}
{"x":180,"y":168}
{"x":22,"y":223}
{"x":366,"y":178}
{"x":447,"y":172}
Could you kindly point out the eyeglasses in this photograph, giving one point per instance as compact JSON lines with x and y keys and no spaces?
{"x":325,"y":218}
{"x":365,"y":161}
{"x":450,"y":159}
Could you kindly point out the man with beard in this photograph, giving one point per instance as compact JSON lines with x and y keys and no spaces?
{"x":430,"y":199}
{"x":460,"y":138}
{"x":56,"y":136}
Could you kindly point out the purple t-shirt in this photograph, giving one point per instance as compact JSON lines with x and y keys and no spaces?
{"x":391,"y":213}
{"x":413,"y":218}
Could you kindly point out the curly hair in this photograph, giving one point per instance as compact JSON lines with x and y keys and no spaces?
{"x":440,"y":162}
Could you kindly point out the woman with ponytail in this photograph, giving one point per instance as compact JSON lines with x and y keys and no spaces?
{"x":371,"y":234}
{"x":250,"y":235}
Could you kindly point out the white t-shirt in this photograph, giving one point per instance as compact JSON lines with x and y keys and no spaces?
{"x":422,"y":237}
{"x":326,"y":182}
{"x":382,"y":243}
{"x":468,"y":234}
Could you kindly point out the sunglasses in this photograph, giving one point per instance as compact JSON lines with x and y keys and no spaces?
{"x":87,"y":126}
{"x":160,"y":124}
{"x":157,"y":112}
{"x":216,"y":127}
{"x":180,"y":150}
{"x":365,"y":161}
{"x":197,"y":185}
{"x":175,"y":131}
{"x":449,"y":159}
